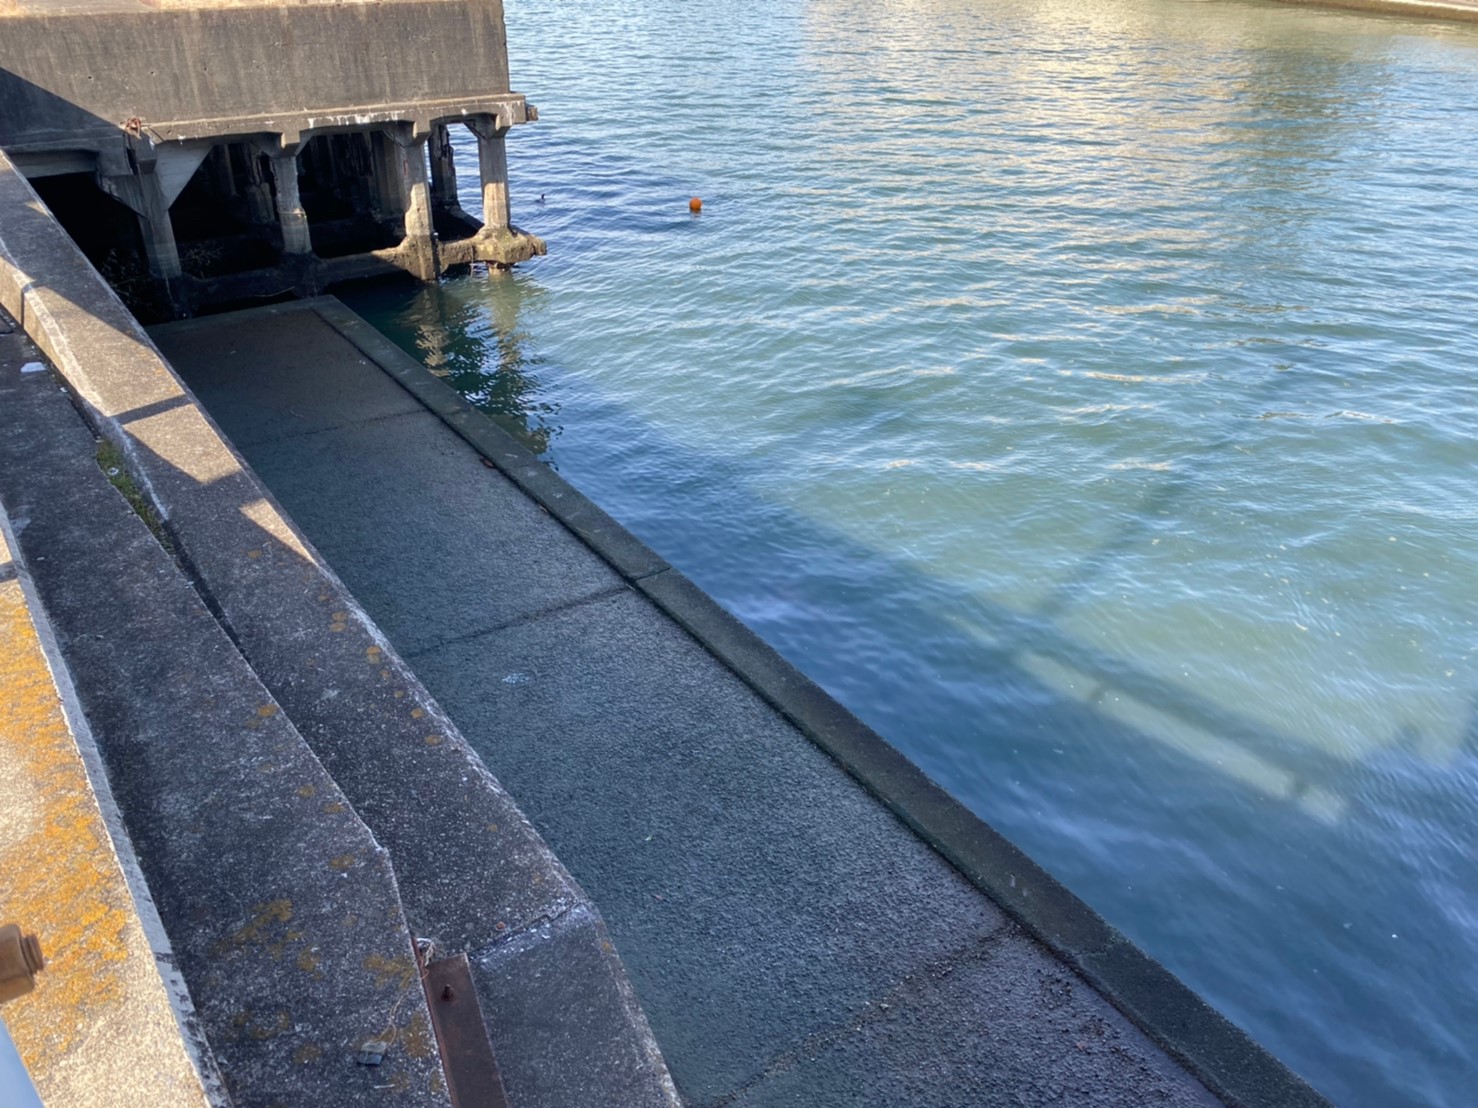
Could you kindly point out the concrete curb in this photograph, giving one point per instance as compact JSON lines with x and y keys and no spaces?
{"x":1212,"y":1048}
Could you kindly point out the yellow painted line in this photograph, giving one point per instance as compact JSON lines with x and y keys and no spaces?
{"x":99,"y":1026}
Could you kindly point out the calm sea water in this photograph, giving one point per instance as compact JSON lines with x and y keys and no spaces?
{"x":1083,"y":393}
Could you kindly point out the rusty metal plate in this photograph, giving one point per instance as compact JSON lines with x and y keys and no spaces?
{"x":466,"y":1051}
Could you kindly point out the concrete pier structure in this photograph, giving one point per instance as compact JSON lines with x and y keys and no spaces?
{"x":248,"y":165}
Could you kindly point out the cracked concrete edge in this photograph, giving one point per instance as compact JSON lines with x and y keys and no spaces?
{"x":1216,"y":1051}
{"x":192,"y":1032}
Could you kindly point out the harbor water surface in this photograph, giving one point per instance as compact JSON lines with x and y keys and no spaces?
{"x":1084,"y":394}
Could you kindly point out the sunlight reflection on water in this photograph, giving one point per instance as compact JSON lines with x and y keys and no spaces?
{"x":1080,"y":393}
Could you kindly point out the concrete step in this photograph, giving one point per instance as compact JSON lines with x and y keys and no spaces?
{"x":110,"y":1021}
{"x":475,"y":876}
{"x":281,"y":908}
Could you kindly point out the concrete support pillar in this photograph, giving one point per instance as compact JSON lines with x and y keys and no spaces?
{"x":128,"y":174}
{"x":387,"y":194}
{"x":290,"y":215}
{"x":132,"y":180}
{"x":260,"y":205}
{"x":222,"y":179}
{"x":492,"y":164}
{"x":443,"y":170}
{"x":419,"y":248}
{"x":159,"y":243}
{"x":499,"y":242}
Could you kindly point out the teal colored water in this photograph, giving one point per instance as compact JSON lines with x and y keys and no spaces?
{"x":1083,"y":393}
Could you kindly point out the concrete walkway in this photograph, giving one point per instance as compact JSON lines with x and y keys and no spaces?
{"x":791,"y":940}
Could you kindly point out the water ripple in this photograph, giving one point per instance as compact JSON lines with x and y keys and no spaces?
{"x":1081,"y":392}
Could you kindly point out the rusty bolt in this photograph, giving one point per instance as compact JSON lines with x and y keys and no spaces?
{"x":446,"y":993}
{"x":20,"y":962}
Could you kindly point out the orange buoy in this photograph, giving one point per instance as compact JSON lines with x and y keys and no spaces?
{"x":695,"y":205}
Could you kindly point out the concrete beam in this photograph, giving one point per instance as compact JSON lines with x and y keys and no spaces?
{"x":175,"y":164}
{"x":83,"y":69}
{"x":55,"y":163}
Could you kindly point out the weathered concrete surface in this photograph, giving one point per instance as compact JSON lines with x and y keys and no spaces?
{"x":791,"y":941}
{"x":281,"y":907}
{"x":72,"y":73}
{"x":559,"y":995}
{"x":472,"y":871}
{"x":110,"y":1021}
